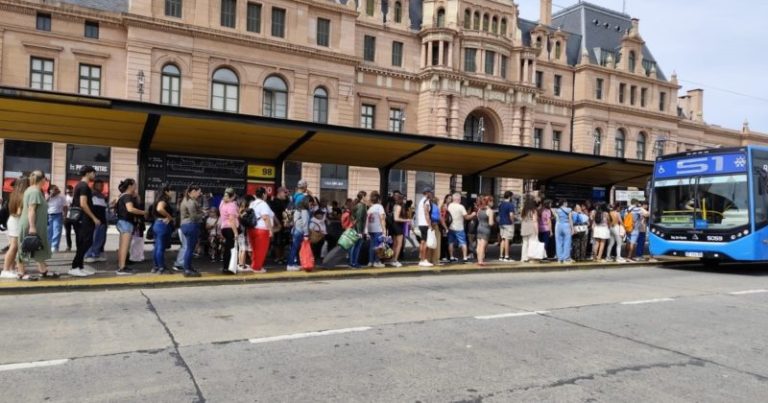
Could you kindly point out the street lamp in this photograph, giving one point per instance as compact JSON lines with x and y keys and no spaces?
{"x":140,"y":84}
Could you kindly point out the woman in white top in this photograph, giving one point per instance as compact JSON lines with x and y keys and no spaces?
{"x":376,"y":228}
{"x":260,"y":235}
{"x":15,"y":204}
{"x":600,"y":230}
{"x":56,"y":203}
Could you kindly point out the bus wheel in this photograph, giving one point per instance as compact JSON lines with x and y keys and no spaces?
{"x":710,"y":263}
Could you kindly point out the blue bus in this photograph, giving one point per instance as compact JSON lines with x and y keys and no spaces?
{"x":711,"y":204}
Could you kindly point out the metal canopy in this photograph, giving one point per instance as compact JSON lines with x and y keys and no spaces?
{"x":53,"y":117}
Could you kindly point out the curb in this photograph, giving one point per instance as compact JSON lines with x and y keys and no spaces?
{"x":147,"y":280}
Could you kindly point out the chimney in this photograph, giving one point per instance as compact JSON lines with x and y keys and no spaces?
{"x":696,"y":104}
{"x":545,"y":14}
{"x":635,"y":27}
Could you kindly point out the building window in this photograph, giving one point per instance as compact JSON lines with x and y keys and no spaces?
{"x":558,"y":84}
{"x":469,"y":60}
{"x":398,"y":12}
{"x":620,"y":138}
{"x":173,"y":8}
{"x":503,"y":27}
{"x":538,"y":134}
{"x":504,"y":62}
{"x":369,"y":48}
{"x":599,"y":89}
{"x":643,"y":97}
{"x":632,"y":61}
{"x":440,"y":18}
{"x":641,"y":138}
{"x":398,"y":181}
{"x":275,"y":103}
{"x":323,"y":31}
{"x":598,"y":140}
{"x":367,"y":116}
{"x":476,"y":21}
{"x":228,"y":13}
{"x":92,"y":29}
{"x":369,"y":7}
{"x":170,"y":85}
{"x":396,"y":120}
{"x":424,"y":180}
{"x":662,"y":101}
{"x":648,"y":66}
{"x":632,"y":93}
{"x":225,"y":92}
{"x":539,"y":79}
{"x":41,"y":74}
{"x":278,"y":22}
{"x":253,"y":18}
{"x":90,"y":79}
{"x":556,"y":137}
{"x":485,"y":22}
{"x":558,"y":50}
{"x":467,"y":19}
{"x":495,"y":25}
{"x":43,"y":22}
{"x":659,"y":148}
{"x":320,"y":106}
{"x":435,"y":53}
{"x":397,"y":54}
{"x":622,"y":90}
{"x":490,"y":61}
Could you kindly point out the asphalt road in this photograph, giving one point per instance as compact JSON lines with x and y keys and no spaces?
{"x":632,"y":334}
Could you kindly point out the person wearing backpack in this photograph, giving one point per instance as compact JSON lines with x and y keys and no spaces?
{"x":260,"y":233}
{"x":358,"y":218}
{"x":632,"y":222}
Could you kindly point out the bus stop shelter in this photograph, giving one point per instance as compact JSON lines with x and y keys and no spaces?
{"x":55,"y":117}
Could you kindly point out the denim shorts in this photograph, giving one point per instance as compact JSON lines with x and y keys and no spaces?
{"x":457,"y":237}
{"x":633,"y":236}
{"x":124,"y":227}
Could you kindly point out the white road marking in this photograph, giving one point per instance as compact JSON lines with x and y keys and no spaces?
{"x":35,"y":364}
{"x":647,"y":301}
{"x":745,"y":292}
{"x":510,"y":315}
{"x":308,"y":334}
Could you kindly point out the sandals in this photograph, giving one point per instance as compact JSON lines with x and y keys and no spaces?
{"x":26,"y":277}
{"x":49,"y":274}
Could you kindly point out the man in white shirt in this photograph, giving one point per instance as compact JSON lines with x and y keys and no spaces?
{"x":260,"y":235}
{"x":456,"y":234}
{"x":423,"y":223}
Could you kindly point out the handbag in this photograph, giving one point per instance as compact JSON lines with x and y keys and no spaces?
{"x":580,"y":228}
{"x":384,"y":252}
{"x":233,"y":259}
{"x":431,"y":239}
{"x":74,"y":214}
{"x":137,"y":249}
{"x":306,"y":257}
{"x":348,"y":238}
{"x":537,"y":250}
{"x":315,"y":236}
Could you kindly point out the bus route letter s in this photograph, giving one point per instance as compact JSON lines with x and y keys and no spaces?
{"x":702,"y":165}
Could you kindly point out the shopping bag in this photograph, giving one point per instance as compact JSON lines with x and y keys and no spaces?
{"x":537,"y":250}
{"x":348,"y":239}
{"x":306,"y":257}
{"x":431,"y":239}
{"x":137,"y":249}
{"x":233,"y":259}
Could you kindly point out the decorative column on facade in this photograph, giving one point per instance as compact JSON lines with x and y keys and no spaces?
{"x":442,"y":115}
{"x":532,"y":78}
{"x":440,"y":53}
{"x":528,"y":125}
{"x":450,"y":54}
{"x":423,"y":58}
{"x":517,"y":124}
{"x":454,"y":120}
{"x":525,"y":71}
{"x":548,"y":136}
{"x":429,"y":53}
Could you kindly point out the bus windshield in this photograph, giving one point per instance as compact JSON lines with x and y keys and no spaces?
{"x":701,"y":202}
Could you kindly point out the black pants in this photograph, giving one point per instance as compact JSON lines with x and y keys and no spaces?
{"x":84,"y":240}
{"x":229,"y":243}
{"x":68,"y":232}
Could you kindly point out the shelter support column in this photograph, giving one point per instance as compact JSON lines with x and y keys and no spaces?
{"x":147,"y":135}
{"x":384,"y":180}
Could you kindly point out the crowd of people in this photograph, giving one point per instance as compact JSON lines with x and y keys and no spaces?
{"x":299,"y":230}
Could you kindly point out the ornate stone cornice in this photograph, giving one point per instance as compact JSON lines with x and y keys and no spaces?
{"x":368,"y":68}
{"x":624,"y":74}
{"x":554,"y":101}
{"x":626,"y":110}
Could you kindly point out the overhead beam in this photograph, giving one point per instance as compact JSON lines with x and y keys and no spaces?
{"x":409,"y":156}
{"x":145,"y":143}
{"x":575,"y":171}
{"x":628,"y":179}
{"x":295,"y":146}
{"x":499,"y":165}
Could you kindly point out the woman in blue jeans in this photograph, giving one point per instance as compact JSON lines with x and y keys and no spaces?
{"x":376,"y":228}
{"x":191,"y":216}
{"x":163,"y":213}
{"x":563,"y":232}
{"x":299,"y":232}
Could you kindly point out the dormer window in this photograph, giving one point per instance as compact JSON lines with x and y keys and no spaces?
{"x":632,"y":61}
{"x":558,"y":50}
{"x":441,"y":18}
{"x":538,"y":42}
{"x":398,"y":12}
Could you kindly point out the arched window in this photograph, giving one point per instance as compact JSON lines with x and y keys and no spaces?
{"x":632,"y":61}
{"x":495,"y":25}
{"x":225,"y":90}
{"x":620,"y":138}
{"x":467,"y":19}
{"x":441,"y":18}
{"x":398,"y":12}
{"x":320,"y":106}
{"x":598,"y":137}
{"x":486,"y":19}
{"x":641,"y":139}
{"x":170,"y":85}
{"x":558,"y":50}
{"x":476,"y":21}
{"x":369,"y":7}
{"x":503,"y":26}
{"x":275,"y":98}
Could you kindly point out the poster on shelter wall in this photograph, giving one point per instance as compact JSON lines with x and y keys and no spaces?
{"x":98,"y":157}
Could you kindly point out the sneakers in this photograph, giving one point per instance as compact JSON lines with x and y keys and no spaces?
{"x":79,"y":273}
{"x":396,"y":264}
{"x":465,"y":261}
{"x":89,"y":260}
{"x":125,"y":271}
{"x":293,"y":268}
{"x":379,"y":265}
{"x":454,"y":260}
{"x":262,"y":271}
{"x":89,"y":270}
{"x":191,"y":273}
{"x":101,"y":258}
{"x":177,"y":268}
{"x":244,"y":269}
{"x":425,"y":263}
{"x":8,"y":274}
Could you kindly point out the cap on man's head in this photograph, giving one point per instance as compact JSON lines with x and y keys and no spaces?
{"x":302,"y":184}
{"x":427,"y":190}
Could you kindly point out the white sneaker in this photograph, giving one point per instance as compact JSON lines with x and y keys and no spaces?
{"x":101,"y":259}
{"x":259,"y":271}
{"x":425,"y":263}
{"x":620,"y":260}
{"x":244,"y":269}
{"x":89,"y":260}
{"x":8,"y":274}
{"x":293,"y":268}
{"x":378,"y":265}
{"x":78,"y":273}
{"x":90,"y":270}
{"x":396,"y":264}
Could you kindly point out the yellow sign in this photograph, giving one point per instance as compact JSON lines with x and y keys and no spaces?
{"x":261,"y":171}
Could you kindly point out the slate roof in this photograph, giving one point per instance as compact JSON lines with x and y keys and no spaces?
{"x":117,"y":6}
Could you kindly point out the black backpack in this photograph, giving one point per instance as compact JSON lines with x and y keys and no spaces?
{"x":249,"y":219}
{"x":4,"y":215}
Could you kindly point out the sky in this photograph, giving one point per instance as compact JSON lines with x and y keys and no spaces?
{"x":711,"y":44}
